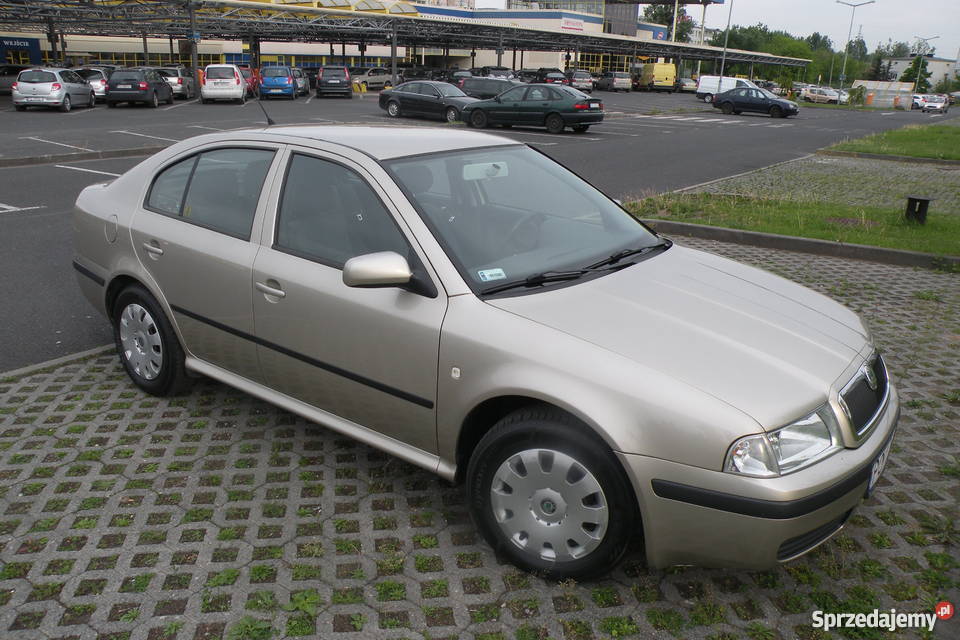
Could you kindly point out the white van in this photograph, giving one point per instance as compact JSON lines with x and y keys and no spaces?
{"x":223,"y":82}
{"x":709,"y":86}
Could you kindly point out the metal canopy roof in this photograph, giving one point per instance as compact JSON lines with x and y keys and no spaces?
{"x":310,"y":20}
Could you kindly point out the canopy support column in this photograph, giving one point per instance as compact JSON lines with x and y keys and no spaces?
{"x":393,"y":56}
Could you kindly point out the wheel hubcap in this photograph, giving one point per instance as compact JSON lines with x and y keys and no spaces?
{"x":549,"y":505}
{"x":140,"y":339}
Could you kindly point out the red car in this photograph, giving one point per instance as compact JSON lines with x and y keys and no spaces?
{"x":251,"y":76}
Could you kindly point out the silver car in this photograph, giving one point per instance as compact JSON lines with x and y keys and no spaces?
{"x":470,"y":306}
{"x":51,"y":87}
{"x":180,"y":80}
{"x":96,"y":77}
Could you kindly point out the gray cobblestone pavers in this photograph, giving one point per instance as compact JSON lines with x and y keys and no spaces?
{"x":215,"y":515}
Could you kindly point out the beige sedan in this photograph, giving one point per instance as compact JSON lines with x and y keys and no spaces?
{"x":470,"y":306}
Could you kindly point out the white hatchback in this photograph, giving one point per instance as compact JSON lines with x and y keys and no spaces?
{"x":223,"y":82}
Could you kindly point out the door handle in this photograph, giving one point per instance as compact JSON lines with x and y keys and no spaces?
{"x":265,"y":288}
{"x":153,"y":248}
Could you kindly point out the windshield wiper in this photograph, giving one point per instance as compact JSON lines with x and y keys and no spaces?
{"x":536,"y":280}
{"x":620,"y":255}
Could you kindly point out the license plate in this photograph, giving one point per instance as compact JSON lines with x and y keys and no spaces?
{"x":276,"y":90}
{"x":877,"y":469}
{"x":333,"y":81}
{"x":34,"y":99}
{"x":124,"y":86}
{"x":221,"y":83}
{"x":594,"y":106}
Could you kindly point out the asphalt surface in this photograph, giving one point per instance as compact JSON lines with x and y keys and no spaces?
{"x":648,"y":143}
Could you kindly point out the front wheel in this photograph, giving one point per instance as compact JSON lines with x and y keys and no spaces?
{"x":479,"y":119}
{"x":580,"y":128}
{"x":393,"y":109}
{"x":452,"y":115}
{"x":65,"y":105}
{"x":148,"y":347}
{"x":708,"y":98}
{"x":776,"y":112}
{"x":554,"y":123}
{"x":550,"y":495}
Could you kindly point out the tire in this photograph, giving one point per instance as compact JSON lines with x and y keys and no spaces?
{"x":20,"y":107}
{"x":146,"y":343}
{"x":549,"y":440}
{"x":93,"y":101}
{"x":727,"y":108}
{"x":170,"y":99}
{"x":203,"y":100}
{"x":242,"y":100}
{"x":65,"y":105}
{"x":452,"y":115}
{"x":554,"y":123}
{"x":580,"y":128}
{"x":479,"y":119}
{"x":708,"y":98}
{"x":776,"y":112}
{"x":393,"y":109}
{"x":154,"y":101}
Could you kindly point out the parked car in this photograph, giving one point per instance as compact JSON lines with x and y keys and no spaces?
{"x":303,"y":83}
{"x":181,"y":81}
{"x":97,"y":78}
{"x":492,"y":71}
{"x":311,"y":73}
{"x":709,"y":86}
{"x":580,"y":80}
{"x":743,"y":99}
{"x":468,"y":305}
{"x":251,"y":77}
{"x":537,"y":105}
{"x":425,"y":98}
{"x":485,"y":88}
{"x":278,"y":81}
{"x":143,"y":85}
{"x":334,"y":80}
{"x":687,"y":84}
{"x":527,"y":75}
{"x":614,"y":81}
{"x":542,"y":72}
{"x":555,"y":78}
{"x":8,"y":75}
{"x":824,"y":95}
{"x":223,"y":82}
{"x":51,"y":87}
{"x":936,"y":104}
{"x":371,"y":77}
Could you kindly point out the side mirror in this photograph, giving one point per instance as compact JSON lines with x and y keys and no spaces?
{"x":497,"y":98}
{"x":381,"y":269}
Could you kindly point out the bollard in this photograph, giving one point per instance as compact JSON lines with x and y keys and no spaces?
{"x":917,"y":209}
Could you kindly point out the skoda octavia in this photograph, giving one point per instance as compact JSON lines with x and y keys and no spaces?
{"x":467,"y":304}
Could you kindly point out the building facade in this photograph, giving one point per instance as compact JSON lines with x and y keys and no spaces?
{"x":940,"y":69}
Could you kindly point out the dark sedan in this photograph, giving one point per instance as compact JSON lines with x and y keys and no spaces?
{"x":757,"y":100}
{"x":537,"y":105}
{"x":141,"y":84}
{"x":425,"y":98}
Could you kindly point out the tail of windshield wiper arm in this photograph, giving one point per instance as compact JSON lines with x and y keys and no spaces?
{"x":536,"y":280}
{"x":620,"y":255}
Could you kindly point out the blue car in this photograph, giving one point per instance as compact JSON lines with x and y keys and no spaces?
{"x":278,"y":81}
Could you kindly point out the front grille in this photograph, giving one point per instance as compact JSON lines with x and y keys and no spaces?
{"x":861,"y":401}
{"x":802,"y":543}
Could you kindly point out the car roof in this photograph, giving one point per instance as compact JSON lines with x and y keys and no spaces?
{"x":385,"y":142}
{"x":44,"y":69}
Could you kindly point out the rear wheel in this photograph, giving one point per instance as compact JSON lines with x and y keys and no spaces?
{"x":452,"y":115}
{"x":93,"y":100}
{"x":154,"y":101}
{"x":65,"y":105}
{"x":554,"y":123}
{"x":580,"y":128}
{"x":479,"y":119}
{"x":776,"y":112}
{"x":550,"y":495}
{"x":170,"y":97}
{"x":393,"y":109}
{"x":727,"y":108}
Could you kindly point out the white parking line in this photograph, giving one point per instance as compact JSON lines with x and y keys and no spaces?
{"x":9,"y":208}
{"x":174,"y":106}
{"x":143,"y":135}
{"x":105,"y":173}
{"x":56,"y":143}
{"x":309,"y":98}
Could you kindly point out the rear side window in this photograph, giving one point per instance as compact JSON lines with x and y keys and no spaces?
{"x":349,"y":220}
{"x":217,"y":189}
{"x":220,"y":73}
{"x":37,"y":77}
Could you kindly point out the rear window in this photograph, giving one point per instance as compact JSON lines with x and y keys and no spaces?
{"x":620,"y":74}
{"x":86,"y":74}
{"x":582,"y":76}
{"x":333,"y":72}
{"x":37,"y":76}
{"x":275,"y":72}
{"x":245,"y":73}
{"x":167,"y":73}
{"x":121,"y":76}
{"x":220,"y":73}
{"x":555,"y":75}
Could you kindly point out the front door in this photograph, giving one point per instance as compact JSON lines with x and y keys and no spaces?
{"x":366,"y":355}
{"x":508,"y":109}
{"x":193,"y":237}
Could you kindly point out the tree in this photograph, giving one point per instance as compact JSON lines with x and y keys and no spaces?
{"x":878,"y":69}
{"x":857,"y":48}
{"x":918,"y":66}
{"x":819,"y":42}
{"x":663,"y":14}
{"x":893,"y":49}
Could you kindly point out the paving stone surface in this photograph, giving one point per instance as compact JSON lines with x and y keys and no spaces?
{"x":215,"y":515}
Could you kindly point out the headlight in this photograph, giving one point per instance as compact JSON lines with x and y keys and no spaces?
{"x":787,"y":449}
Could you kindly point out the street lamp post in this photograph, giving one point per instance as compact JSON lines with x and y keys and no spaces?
{"x":846,"y":53}
{"x":916,"y":81}
{"x":726,"y":41}
{"x":676,"y":10}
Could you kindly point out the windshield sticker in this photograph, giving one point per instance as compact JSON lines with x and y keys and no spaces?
{"x":486,"y":275}
{"x":484,"y":170}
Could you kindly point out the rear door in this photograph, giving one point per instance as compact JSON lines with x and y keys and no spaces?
{"x":408,"y":95}
{"x":535,"y":104}
{"x":192,"y":234}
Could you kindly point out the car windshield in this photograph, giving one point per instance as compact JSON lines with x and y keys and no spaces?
{"x":767,"y":94}
{"x":275,"y":72}
{"x":37,"y":77}
{"x":498,"y":228}
{"x":449,"y":91}
{"x":220,"y":73}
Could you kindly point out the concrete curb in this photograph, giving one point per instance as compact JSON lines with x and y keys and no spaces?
{"x":805,"y":245}
{"x":880,"y":156}
{"x":83,"y":155}
{"x":56,"y":362}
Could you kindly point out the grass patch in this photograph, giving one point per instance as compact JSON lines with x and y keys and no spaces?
{"x":941,"y":142}
{"x":825,"y":221}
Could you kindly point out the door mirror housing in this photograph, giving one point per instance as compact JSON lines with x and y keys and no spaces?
{"x":377,"y":270}
{"x":497,"y":98}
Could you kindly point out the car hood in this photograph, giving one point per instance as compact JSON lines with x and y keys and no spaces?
{"x":459,"y":101}
{"x":765,"y":345}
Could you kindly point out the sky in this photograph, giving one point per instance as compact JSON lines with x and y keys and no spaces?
{"x":884,"y":19}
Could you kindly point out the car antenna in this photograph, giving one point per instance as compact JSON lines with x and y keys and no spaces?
{"x":270,"y":121}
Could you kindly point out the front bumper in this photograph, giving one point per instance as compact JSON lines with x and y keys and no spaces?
{"x":714,"y":519}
